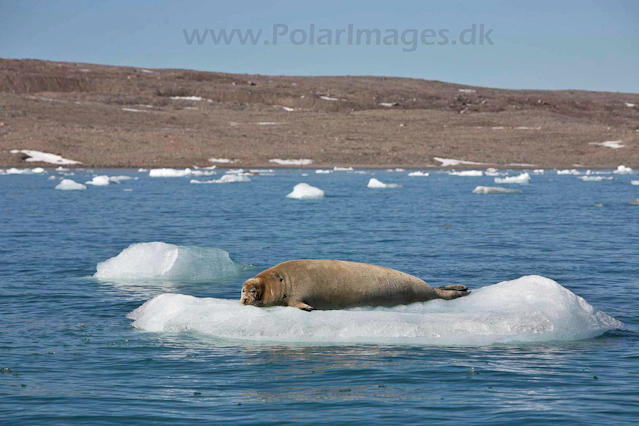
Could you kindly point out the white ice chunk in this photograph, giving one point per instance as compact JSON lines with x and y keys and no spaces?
{"x":594,"y":178}
{"x":342,"y":169}
{"x":634,"y":202}
{"x":178,"y":173}
{"x":539,"y":171}
{"x":323,"y":171}
{"x":494,"y":190}
{"x":300,"y":162}
{"x":470,"y":173}
{"x":447,"y":162}
{"x":634,"y":182}
{"x":69,"y":185}
{"x":568,"y":172}
{"x":375,"y":184}
{"x":162,"y":261}
{"x":99,"y":181}
{"x":118,"y":179}
{"x":44,"y":157}
{"x":304,"y":191}
{"x":523,"y":178}
{"x":529,"y":309}
{"x":418,"y":174}
{"x":229,"y":178}
{"x":610,"y":144}
{"x":623,"y":170}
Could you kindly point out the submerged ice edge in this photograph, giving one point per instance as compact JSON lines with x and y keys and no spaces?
{"x":529,"y":309}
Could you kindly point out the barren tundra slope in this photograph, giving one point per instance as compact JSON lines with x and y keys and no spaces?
{"x":106,"y":116}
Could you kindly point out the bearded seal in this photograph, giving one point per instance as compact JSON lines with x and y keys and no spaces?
{"x":336,"y":284}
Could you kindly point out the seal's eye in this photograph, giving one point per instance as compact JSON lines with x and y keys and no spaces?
{"x":253,"y":290}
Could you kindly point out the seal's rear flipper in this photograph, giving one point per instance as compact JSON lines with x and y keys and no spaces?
{"x":449,"y":292}
{"x":301,"y":305}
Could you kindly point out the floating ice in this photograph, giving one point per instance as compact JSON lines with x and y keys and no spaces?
{"x":187,"y":98}
{"x":492,"y":172}
{"x":539,"y":171}
{"x":162,"y":261}
{"x":143,"y":170}
{"x":44,"y":157}
{"x":529,"y":309}
{"x":342,"y":169}
{"x":418,"y":174}
{"x":494,"y":190}
{"x":178,"y":173}
{"x":468,"y":173}
{"x":610,"y":144}
{"x":568,"y":172}
{"x":222,"y":160}
{"x":594,"y":178}
{"x":118,"y":179}
{"x":52,"y":178}
{"x":634,"y":182}
{"x":230,"y":178}
{"x":634,"y":202}
{"x":523,"y":178}
{"x":323,"y":171}
{"x":374,"y":183}
{"x":446,"y":162}
{"x":99,"y":181}
{"x":37,"y":170}
{"x":304,"y":191}
{"x":300,"y":162}
{"x":623,"y":170}
{"x":69,"y":185}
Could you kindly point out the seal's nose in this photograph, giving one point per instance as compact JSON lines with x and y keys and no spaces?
{"x":244,"y":300}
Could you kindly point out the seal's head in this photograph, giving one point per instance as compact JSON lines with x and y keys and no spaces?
{"x":253,"y":292}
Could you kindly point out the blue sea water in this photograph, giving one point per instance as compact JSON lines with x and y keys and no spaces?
{"x":70,"y":355}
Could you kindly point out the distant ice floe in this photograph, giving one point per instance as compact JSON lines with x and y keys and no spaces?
{"x":323,"y":171}
{"x":187,"y":98}
{"x":529,"y":309}
{"x":99,"y":181}
{"x":523,"y":178}
{"x":222,"y":160}
{"x":162,"y":261}
{"x":178,"y":173}
{"x":634,"y":182}
{"x":300,"y":162}
{"x":228,"y":178}
{"x":594,"y":178}
{"x":305,"y":191}
{"x":342,"y":169}
{"x":14,"y":171}
{"x":418,"y":174}
{"x":468,"y":173}
{"x":491,"y":172}
{"x":69,"y":185}
{"x":568,"y":172}
{"x":539,"y":171}
{"x":376,"y":184}
{"x":495,"y":190}
{"x":623,"y":170}
{"x":610,"y":144}
{"x":44,"y":157}
{"x":447,"y":162}
{"x":633,"y":202}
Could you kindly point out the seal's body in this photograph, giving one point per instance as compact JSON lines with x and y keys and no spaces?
{"x":335,"y":284}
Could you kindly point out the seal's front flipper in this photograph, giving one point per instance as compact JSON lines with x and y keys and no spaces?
{"x":301,"y":305}
{"x":449,"y":292}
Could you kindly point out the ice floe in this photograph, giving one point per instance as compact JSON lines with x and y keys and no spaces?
{"x":300,"y":162}
{"x":418,"y":174}
{"x":178,"y":173}
{"x":119,"y":179}
{"x":222,"y":160}
{"x":305,"y":191}
{"x":594,"y":178}
{"x":69,"y":185}
{"x":468,"y":173}
{"x":447,"y":162}
{"x":162,"y":261}
{"x":523,"y":178}
{"x":99,"y":181}
{"x":491,"y":172}
{"x":342,"y":169}
{"x":634,"y":182}
{"x":228,"y":178}
{"x":376,"y":184}
{"x":633,"y":202}
{"x":529,"y":309}
{"x":623,"y":170}
{"x":539,"y":171}
{"x":44,"y":157}
{"x":610,"y":144}
{"x":14,"y":171}
{"x":323,"y":171}
{"x":495,"y":190}
{"x":568,"y":172}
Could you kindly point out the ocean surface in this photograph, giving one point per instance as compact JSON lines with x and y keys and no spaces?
{"x":158,"y":336}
